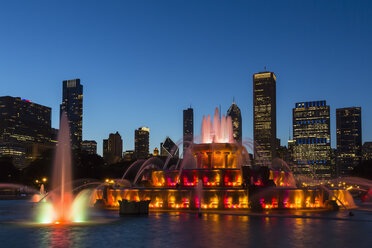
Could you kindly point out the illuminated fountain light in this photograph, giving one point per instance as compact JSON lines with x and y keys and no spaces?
{"x":220,"y":131}
{"x":61,"y":206}
{"x":219,"y":168}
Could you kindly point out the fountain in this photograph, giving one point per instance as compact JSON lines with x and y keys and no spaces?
{"x":59,"y":206}
{"x":217,"y":173}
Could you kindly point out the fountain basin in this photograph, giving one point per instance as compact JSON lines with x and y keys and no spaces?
{"x":133,"y":207}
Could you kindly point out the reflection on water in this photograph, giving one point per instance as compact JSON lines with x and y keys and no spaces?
{"x":320,"y":229}
{"x":55,"y":236}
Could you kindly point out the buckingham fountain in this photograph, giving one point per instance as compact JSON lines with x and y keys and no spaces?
{"x":217,"y":174}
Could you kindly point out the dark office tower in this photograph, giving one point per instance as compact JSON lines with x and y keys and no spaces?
{"x":72,"y":105}
{"x":236,"y":117}
{"x":25,"y":130}
{"x":349,"y":139}
{"x":141,"y":142}
{"x":188,"y":127}
{"x":312,"y":139}
{"x":264,"y":116}
{"x":113,"y":148}
{"x":90,"y":146}
{"x":23,"y":121}
{"x":168,"y":147}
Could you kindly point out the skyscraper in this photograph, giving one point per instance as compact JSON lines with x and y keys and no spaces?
{"x":113,"y":148}
{"x":141,"y":142}
{"x":168,"y":147}
{"x":24,"y":121}
{"x":264,"y":116}
{"x":312,"y":139}
{"x":349,"y":139}
{"x":236,"y":117}
{"x":25,"y":130}
{"x":72,"y":105}
{"x":188,"y":127}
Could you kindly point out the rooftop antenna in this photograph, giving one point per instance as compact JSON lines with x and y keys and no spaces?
{"x":265,"y":68}
{"x":233,"y":99}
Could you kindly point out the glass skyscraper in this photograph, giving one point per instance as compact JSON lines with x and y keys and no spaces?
{"x":349,"y":139}
{"x":72,"y":105}
{"x":236,"y":117}
{"x":24,"y":121}
{"x":188,"y":127}
{"x":141,"y":142}
{"x":168,"y":147}
{"x":312,"y":139}
{"x":25,"y":129}
{"x":264,"y":116}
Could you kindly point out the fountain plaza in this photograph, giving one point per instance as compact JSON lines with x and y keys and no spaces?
{"x":217,"y":174}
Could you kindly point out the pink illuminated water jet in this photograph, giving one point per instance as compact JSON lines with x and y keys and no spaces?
{"x":61,"y":181}
{"x":61,"y":206}
{"x":220,"y":131}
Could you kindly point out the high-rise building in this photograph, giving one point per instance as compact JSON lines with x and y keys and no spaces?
{"x":349,"y":139}
{"x":89,"y":146}
{"x":113,"y":148}
{"x":188,"y":128}
{"x":264,"y":116}
{"x":236,"y":117}
{"x":72,"y":105}
{"x":312,"y":139}
{"x":25,"y":130}
{"x":367,"y":151}
{"x":168,"y":147}
{"x":141,"y":142}
{"x":24,"y":121}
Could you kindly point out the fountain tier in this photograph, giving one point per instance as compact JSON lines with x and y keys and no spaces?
{"x":221,"y":178}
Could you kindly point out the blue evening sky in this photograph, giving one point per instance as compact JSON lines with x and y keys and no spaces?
{"x":143,"y":62}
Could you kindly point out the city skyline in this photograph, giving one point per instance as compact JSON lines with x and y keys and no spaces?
{"x":205,"y":70}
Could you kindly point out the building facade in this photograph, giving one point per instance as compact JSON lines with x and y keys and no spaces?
{"x":89,"y":146}
{"x":72,"y":105}
{"x":25,"y":130}
{"x":24,"y":121}
{"x":264,"y":116}
{"x":236,"y":118}
{"x":169,"y":148}
{"x":349,"y":139}
{"x":188,"y":128}
{"x":113,"y":148}
{"x":312,"y":139}
{"x":367,"y":151}
{"x":142,"y":142}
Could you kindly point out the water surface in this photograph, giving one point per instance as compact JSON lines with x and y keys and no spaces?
{"x":170,"y":229}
